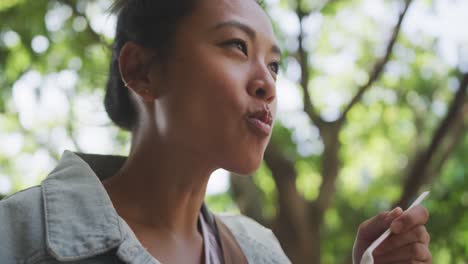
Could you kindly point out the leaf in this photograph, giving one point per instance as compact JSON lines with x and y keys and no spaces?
{"x":6,"y":4}
{"x":332,"y":7}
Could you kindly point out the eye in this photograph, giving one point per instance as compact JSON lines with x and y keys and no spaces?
{"x":238,"y":44}
{"x":274,"y":67}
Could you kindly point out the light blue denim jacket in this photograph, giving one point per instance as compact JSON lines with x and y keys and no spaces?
{"x":70,"y":218}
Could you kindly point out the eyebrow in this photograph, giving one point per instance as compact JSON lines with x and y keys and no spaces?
{"x":248,"y":30}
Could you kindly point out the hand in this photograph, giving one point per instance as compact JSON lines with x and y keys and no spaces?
{"x":408,"y":243}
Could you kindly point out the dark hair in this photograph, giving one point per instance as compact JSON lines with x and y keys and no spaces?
{"x":151,"y":24}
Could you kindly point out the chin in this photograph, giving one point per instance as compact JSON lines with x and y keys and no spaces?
{"x":245,"y":172}
{"x":245,"y":167}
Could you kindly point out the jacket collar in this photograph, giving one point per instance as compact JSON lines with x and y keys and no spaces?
{"x":80,"y":219}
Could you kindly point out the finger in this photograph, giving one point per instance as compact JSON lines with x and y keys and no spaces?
{"x":410,"y":252}
{"x":418,"y":234}
{"x":372,"y":228}
{"x":417,"y":215}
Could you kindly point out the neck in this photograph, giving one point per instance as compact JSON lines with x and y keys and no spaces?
{"x":161,"y":189}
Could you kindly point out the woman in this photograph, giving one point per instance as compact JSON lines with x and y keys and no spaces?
{"x":194,"y":81}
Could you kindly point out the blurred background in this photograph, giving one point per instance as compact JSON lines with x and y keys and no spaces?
{"x":373,"y":110}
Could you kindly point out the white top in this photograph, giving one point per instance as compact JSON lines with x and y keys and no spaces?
{"x":211,"y":244}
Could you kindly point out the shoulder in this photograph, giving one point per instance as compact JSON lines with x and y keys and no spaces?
{"x":18,"y":210}
{"x":22,"y":226}
{"x":258,"y":243}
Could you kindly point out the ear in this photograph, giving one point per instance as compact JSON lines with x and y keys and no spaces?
{"x":135,"y":66}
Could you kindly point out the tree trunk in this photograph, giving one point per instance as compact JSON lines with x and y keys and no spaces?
{"x":292,"y":222}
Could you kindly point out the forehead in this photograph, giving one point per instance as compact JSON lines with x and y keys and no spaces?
{"x":248,"y":12}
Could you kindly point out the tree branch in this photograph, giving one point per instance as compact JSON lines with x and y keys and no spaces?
{"x":379,"y":65}
{"x":284,"y":175}
{"x":330,"y":169}
{"x":418,"y":173}
{"x":309,"y":108}
{"x":459,"y":133}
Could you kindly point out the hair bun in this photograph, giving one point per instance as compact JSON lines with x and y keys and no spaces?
{"x":151,"y":24}
{"x":117,"y":99}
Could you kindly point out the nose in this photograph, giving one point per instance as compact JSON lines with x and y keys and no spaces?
{"x":262,"y":86}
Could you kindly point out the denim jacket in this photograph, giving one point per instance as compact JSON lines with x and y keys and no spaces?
{"x":70,"y":218}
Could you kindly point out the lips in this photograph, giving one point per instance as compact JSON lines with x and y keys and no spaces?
{"x":260,"y":122}
{"x":263,"y":116}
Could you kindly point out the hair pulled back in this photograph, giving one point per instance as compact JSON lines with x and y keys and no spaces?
{"x":151,"y":24}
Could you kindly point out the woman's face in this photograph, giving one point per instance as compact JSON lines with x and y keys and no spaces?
{"x":219,"y":85}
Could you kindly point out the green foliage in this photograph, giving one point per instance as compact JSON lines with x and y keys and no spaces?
{"x":8,"y":4}
{"x":332,"y":7}
{"x":394,"y":120}
{"x":264,"y":181}
{"x":221,"y":203}
{"x":308,"y":179}
{"x":283,"y":137}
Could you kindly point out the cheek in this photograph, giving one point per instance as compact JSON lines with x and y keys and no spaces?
{"x":218,"y":89}
{"x":210,"y":98}
{"x":226,"y":81}
{"x":211,"y":103}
